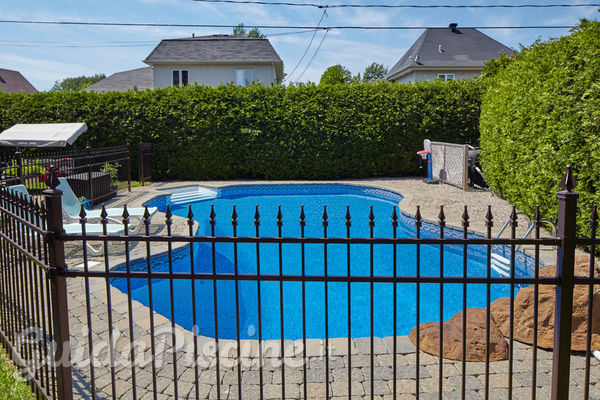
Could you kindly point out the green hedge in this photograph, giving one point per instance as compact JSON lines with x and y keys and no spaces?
{"x":540,"y":112}
{"x":274,"y":132}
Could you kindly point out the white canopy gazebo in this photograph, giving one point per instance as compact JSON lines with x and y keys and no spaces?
{"x":42,"y":135}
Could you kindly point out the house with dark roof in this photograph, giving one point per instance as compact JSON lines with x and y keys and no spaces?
{"x":446,"y":53}
{"x":214,"y":60}
{"x":14,"y":82}
{"x":140,"y":78}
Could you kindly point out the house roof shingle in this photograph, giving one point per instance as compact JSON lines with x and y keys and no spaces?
{"x":216,"y":48}
{"x":142,"y":78}
{"x":14,"y":82}
{"x":463,"y":47}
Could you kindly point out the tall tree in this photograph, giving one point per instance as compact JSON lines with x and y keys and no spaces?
{"x":374,"y":71}
{"x":76,"y":84}
{"x":241,"y":30}
{"x":336,"y":74}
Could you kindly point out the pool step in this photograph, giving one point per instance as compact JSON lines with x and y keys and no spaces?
{"x":501,"y":265}
{"x":192,"y":195}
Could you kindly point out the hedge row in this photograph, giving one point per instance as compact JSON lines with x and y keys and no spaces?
{"x":274,"y":132}
{"x":541,"y":112}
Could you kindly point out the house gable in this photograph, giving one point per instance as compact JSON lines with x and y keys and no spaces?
{"x":446,"y":51}
{"x":14,"y":82}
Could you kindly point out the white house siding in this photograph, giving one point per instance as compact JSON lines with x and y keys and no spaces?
{"x":407,"y":78}
{"x":212,"y":75}
{"x":418,"y":76}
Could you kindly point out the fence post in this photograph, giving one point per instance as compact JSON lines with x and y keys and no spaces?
{"x":128,"y":166}
{"x":90,"y":180}
{"x":19,"y":157}
{"x":565,"y":271}
{"x":58,"y":287}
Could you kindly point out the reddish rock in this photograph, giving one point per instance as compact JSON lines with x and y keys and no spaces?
{"x":453,"y":336}
{"x":524,"y":311}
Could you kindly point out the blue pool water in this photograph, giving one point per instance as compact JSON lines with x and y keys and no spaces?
{"x":313,"y":198}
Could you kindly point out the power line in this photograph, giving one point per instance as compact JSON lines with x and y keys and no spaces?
{"x":313,"y":57}
{"x":288,"y":33}
{"x":311,"y":28}
{"x":140,"y":43}
{"x":398,"y":5}
{"x":76,"y":45}
{"x":61,"y":42}
{"x":309,"y":44}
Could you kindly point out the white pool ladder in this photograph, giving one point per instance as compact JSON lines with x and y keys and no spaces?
{"x":502,"y":264}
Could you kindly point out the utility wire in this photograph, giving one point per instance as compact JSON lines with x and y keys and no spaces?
{"x":309,"y":44}
{"x":311,"y":28}
{"x":398,"y":5}
{"x":76,"y":45}
{"x":30,"y":43}
{"x":313,"y":57}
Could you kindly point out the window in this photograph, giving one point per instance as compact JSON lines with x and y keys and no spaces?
{"x":243,"y":77}
{"x":180,"y":76}
{"x":446,"y":77}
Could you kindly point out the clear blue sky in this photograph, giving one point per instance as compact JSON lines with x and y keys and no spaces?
{"x":46,"y":53}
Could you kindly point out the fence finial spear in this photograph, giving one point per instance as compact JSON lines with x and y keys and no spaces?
{"x":234,"y":217}
{"x":125,"y":215}
{"x":537,"y":217}
{"x":212,"y":215}
{"x":594,"y":215}
{"x":82,"y":214}
{"x":190,"y":214}
{"x":279,"y":217}
{"x":568,"y":181}
{"x":394,"y":218}
{"x":302,"y":216}
{"x":348,"y":217}
{"x":256,"y":217}
{"x":52,"y":181}
{"x":489,"y":217}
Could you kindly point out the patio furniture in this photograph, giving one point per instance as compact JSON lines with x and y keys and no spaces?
{"x":77,"y":228}
{"x":72,"y":207}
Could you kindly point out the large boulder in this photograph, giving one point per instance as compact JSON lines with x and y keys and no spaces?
{"x":453,"y":336}
{"x":524,"y":309}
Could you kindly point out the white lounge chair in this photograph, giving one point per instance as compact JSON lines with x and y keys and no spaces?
{"x":94,"y":229}
{"x":72,"y":207}
{"x":76,"y":228}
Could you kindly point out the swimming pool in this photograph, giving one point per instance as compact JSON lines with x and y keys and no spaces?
{"x":313,"y":198}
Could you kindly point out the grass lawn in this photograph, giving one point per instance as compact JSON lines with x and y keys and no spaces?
{"x":12,"y":385}
{"x":123,"y":184}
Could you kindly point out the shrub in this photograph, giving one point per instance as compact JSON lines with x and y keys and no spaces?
{"x":274,"y":132}
{"x":540,"y":112}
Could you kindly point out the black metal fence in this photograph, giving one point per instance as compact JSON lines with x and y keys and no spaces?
{"x":76,"y":336}
{"x":145,"y":155}
{"x":91,"y":173}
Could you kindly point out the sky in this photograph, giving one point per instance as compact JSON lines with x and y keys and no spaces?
{"x":45,"y":53}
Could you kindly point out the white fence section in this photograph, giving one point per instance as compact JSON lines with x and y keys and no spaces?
{"x":451,"y":163}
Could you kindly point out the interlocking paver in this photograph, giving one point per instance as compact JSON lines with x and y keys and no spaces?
{"x":431,"y":385}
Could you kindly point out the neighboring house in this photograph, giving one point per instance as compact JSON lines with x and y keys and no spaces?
{"x":215,"y":60}
{"x":14,"y":82}
{"x":446,"y":53}
{"x":140,"y":78}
